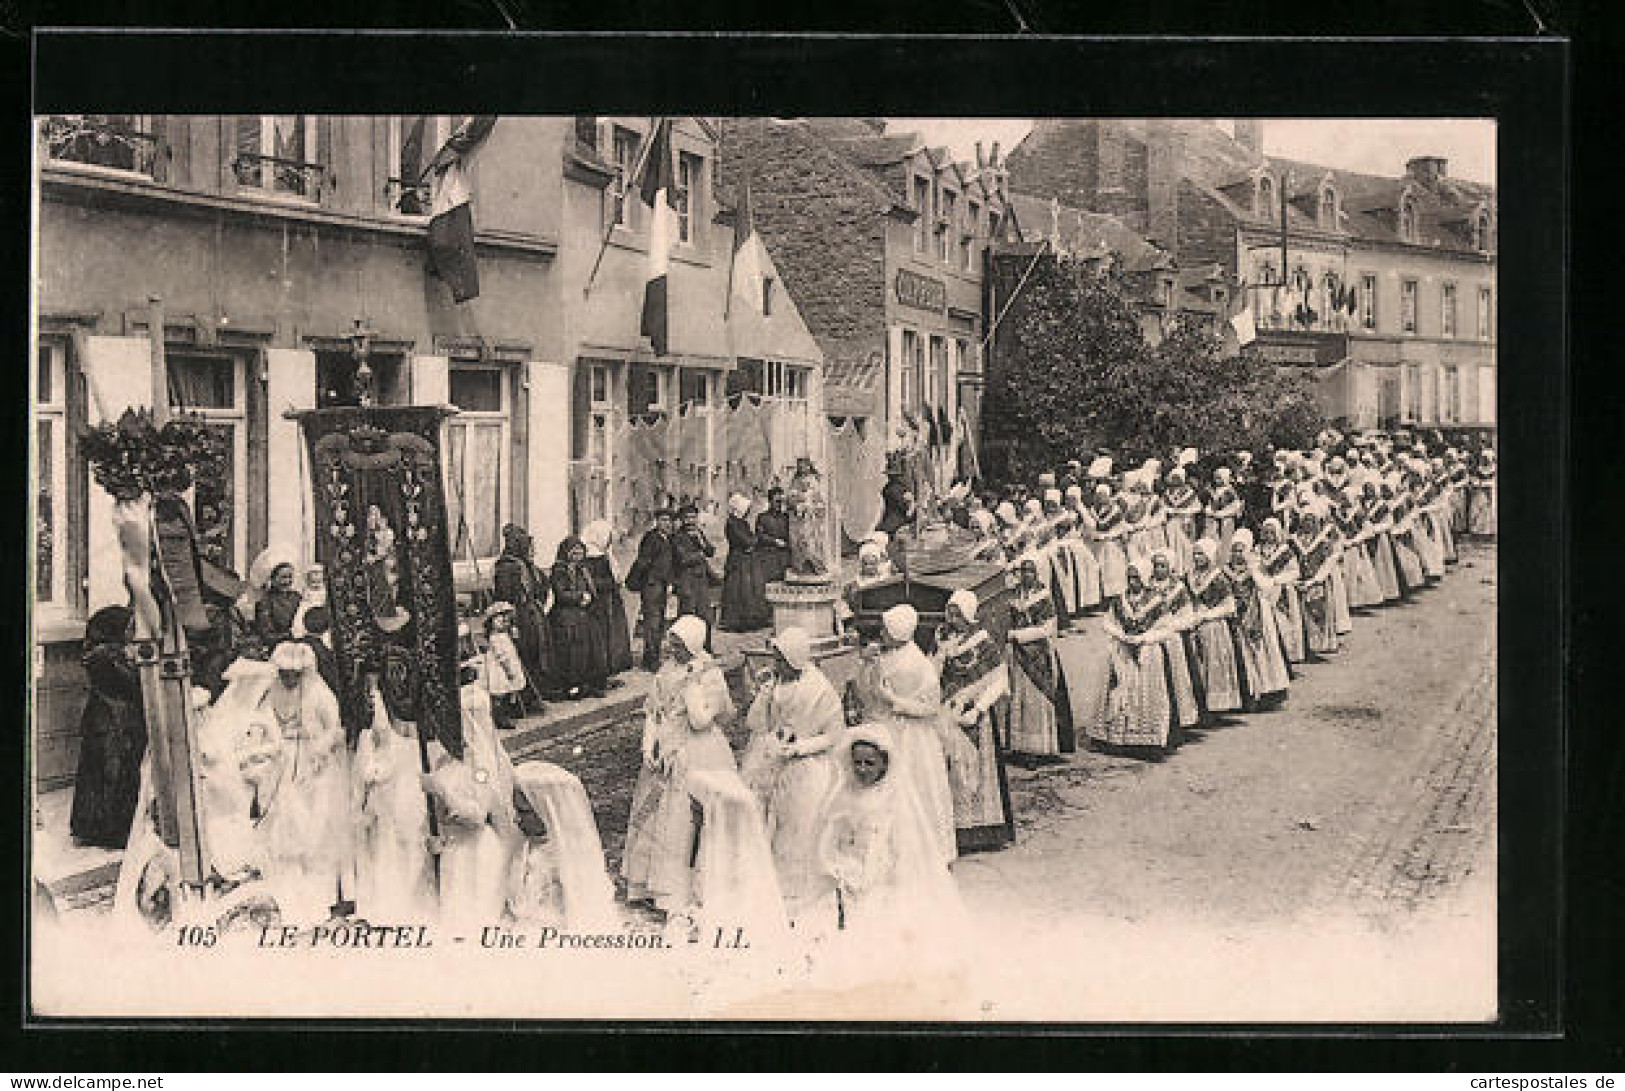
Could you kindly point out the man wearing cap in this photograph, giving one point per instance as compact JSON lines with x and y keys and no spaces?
{"x":794,"y":722}
{"x":651,"y":577}
{"x":691,"y":564}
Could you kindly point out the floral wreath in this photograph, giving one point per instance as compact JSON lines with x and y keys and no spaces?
{"x":137,"y":456}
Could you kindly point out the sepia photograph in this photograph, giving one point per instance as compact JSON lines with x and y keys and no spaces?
{"x":815,"y":569}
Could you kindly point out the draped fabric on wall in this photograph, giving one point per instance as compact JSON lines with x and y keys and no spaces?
{"x":641,"y":479}
{"x":747,"y":448}
{"x":693,"y":467}
{"x":857,"y":472}
{"x":757,"y":443}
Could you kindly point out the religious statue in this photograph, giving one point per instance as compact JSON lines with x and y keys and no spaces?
{"x":809,"y":525}
{"x":383,"y":573}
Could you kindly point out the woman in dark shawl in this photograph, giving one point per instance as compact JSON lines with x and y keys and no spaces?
{"x":744,"y":595}
{"x":608,"y":607}
{"x":580,"y":656}
{"x":113,"y":735}
{"x":773,"y":537}
{"x":517,"y":580}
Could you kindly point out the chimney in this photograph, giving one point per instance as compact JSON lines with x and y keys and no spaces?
{"x":981,"y":158}
{"x":1428,"y":170}
{"x":1109,"y":185}
{"x":993,"y":159}
{"x":1162,"y":185}
{"x":1250,"y":134}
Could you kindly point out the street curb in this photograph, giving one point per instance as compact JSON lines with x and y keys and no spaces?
{"x":524,"y":740}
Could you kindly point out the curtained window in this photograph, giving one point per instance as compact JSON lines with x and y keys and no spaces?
{"x":413,"y":141}
{"x":50,"y":476}
{"x":477,"y":460}
{"x":212,"y":387}
{"x":277,"y":153}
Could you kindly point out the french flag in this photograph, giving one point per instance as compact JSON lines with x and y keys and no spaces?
{"x":659,"y":191}
{"x":451,"y":223}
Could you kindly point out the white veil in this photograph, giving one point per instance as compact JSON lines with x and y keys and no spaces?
{"x":572,"y":847}
{"x":735,"y":880}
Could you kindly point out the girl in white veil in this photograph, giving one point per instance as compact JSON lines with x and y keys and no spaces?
{"x":394,"y":871}
{"x":900,"y":912}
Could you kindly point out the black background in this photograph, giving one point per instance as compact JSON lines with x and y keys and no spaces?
{"x":1560,"y":965}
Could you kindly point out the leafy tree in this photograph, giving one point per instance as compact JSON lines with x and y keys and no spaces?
{"x":1077,"y":374}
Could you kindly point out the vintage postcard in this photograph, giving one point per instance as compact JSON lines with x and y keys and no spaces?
{"x":765,"y":568}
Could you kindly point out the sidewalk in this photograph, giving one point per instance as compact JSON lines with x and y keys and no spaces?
{"x":69,"y":870}
{"x":563,"y":718}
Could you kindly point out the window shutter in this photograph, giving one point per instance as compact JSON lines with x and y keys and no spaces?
{"x":587,"y":132}
{"x":580,"y":409}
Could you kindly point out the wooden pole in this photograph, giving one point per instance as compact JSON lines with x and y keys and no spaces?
{"x":637,"y":172}
{"x":160,"y":369}
{"x":165,"y":670}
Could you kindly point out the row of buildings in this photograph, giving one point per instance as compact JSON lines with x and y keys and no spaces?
{"x":856,"y":318}
{"x":1387,"y":294}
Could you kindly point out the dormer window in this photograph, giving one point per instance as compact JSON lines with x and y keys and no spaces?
{"x":1407,"y":218}
{"x":1265,"y":199}
{"x":1328,"y":209}
{"x":922,"y":205}
{"x":1483,"y":231}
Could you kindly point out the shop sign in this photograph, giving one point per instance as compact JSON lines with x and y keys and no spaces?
{"x":1302,"y":350}
{"x":923,"y":293}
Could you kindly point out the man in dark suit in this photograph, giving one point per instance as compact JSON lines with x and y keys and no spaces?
{"x":691,"y":553}
{"x":655,"y":564}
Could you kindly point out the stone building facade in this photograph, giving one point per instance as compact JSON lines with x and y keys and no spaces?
{"x":882,"y":242}
{"x":267,"y":239}
{"x":1387,"y":293}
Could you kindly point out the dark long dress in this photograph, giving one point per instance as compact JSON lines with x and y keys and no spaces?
{"x":580,"y":652}
{"x":113,"y":737}
{"x":609,"y":610}
{"x":517,"y":580}
{"x":744,"y":594}
{"x":273,"y":617}
{"x":773,"y":545}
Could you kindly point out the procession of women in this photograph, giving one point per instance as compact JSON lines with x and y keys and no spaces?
{"x":1185,"y":599}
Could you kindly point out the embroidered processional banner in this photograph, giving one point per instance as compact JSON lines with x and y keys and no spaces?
{"x":381,"y":535}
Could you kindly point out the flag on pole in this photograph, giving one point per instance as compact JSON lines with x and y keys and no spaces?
{"x":1246,"y":331}
{"x":658,"y":191}
{"x":451,"y":222}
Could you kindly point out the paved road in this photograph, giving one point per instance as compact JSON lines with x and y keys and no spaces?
{"x":1342,"y":847}
{"x":1372,"y":789}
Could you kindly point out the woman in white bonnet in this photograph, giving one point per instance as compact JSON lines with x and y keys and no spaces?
{"x":688,"y":701}
{"x":909,"y":698}
{"x":1079,"y":543}
{"x":795,"y":722}
{"x":974,"y":680}
{"x":306,"y":818}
